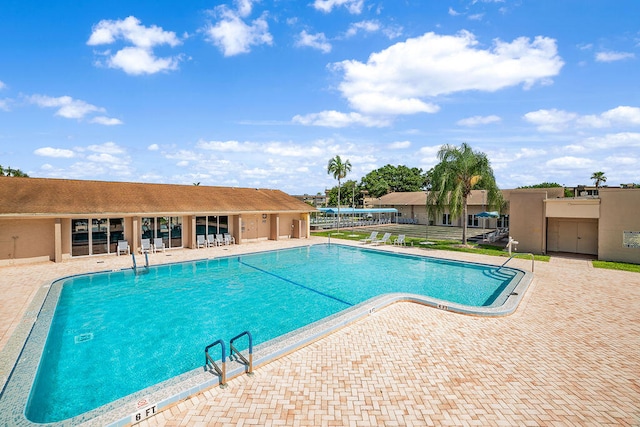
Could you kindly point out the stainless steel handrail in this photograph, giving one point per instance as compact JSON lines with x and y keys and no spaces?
{"x":232,"y":349}
{"x":211,"y":364}
{"x":522,"y":253}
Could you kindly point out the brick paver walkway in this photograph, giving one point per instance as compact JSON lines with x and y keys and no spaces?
{"x":570,"y":355}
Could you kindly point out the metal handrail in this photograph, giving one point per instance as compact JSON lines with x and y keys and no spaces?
{"x":522,"y":253}
{"x":134,"y":260}
{"x":232,"y":349}
{"x":210,"y":363}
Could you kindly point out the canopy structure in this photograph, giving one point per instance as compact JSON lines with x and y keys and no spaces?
{"x":492,"y":214}
{"x":352,"y":211}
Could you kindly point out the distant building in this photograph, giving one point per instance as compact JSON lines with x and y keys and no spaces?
{"x":542,"y":220}
{"x":318,"y":200}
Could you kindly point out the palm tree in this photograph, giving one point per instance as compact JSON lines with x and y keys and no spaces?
{"x":339,"y":170}
{"x":460,"y":170}
{"x":598,"y":177}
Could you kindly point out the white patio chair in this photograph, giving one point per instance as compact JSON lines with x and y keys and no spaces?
{"x":383,"y":241}
{"x":371,"y":238}
{"x":145,"y":246}
{"x":158,"y":244}
{"x":123,"y":247}
{"x":200,"y":241}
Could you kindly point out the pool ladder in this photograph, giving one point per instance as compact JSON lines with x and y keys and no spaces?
{"x":234,"y":355}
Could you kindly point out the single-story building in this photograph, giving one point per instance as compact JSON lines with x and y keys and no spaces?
{"x":57,"y":219}
{"x":542,"y":220}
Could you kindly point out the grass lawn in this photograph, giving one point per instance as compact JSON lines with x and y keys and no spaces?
{"x":635,"y":268}
{"x":447,"y":245}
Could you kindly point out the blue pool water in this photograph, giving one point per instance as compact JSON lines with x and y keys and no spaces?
{"x":116,"y":333}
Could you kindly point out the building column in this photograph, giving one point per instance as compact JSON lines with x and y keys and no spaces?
{"x":57,"y":240}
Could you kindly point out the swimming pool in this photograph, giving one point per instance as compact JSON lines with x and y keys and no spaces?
{"x":117,"y":333}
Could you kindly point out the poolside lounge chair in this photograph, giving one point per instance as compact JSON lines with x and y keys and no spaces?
{"x":211,"y":240}
{"x":383,"y":241}
{"x":399,"y":240}
{"x":158,"y":244}
{"x":200,"y":241}
{"x":145,"y":246}
{"x":229,"y":239}
{"x":219,"y":240}
{"x":371,"y":238}
{"x":123,"y":247}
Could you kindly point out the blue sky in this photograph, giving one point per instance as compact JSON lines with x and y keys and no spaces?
{"x":263,"y":93}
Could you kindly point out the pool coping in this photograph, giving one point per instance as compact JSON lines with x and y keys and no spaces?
{"x":163,"y":395}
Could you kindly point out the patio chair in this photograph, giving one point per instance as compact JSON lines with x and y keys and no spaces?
{"x":229,"y":239}
{"x":383,"y":241}
{"x":158,"y":244}
{"x":399,"y":240}
{"x":211,"y":240}
{"x":200,"y":241}
{"x":371,"y":238}
{"x":145,"y":246}
{"x":123,"y":247}
{"x":219,"y":240}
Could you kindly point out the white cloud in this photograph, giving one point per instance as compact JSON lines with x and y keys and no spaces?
{"x":316,"y":41}
{"x":550,"y":120}
{"x":353,"y":6}
{"x":153,"y":147}
{"x":479,"y":120}
{"x":103,"y":158}
{"x":107,"y":121}
{"x":139,"y":58}
{"x":54,"y":152}
{"x":232,"y":35}
{"x":227,"y":146}
{"x":67,"y":107}
{"x":106,"y":148}
{"x":4,"y":104}
{"x":137,"y":61}
{"x":366,"y":26}
{"x":337,"y":119}
{"x":399,"y":145}
{"x":569,"y":162}
{"x":398,"y":79}
{"x":613,"y":56}
{"x":556,"y":120}
{"x":452,"y":12}
{"x":2,"y":85}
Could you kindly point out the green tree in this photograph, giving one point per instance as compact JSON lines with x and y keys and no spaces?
{"x":12,"y":172}
{"x":339,"y":170}
{"x":598,"y":178}
{"x":460,"y":170}
{"x":542,"y":185}
{"x":390,"y":178}
{"x":349,"y":194}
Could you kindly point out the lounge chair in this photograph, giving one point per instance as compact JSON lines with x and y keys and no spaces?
{"x":145,"y":246}
{"x":158,"y":244}
{"x":211,"y":240}
{"x":399,"y":240}
{"x":200,"y":241}
{"x":229,"y":239}
{"x":219,"y":240}
{"x":371,"y":238}
{"x":383,"y":241}
{"x":123,"y":247}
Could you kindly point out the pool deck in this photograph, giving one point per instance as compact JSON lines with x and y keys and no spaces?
{"x":570,"y":355}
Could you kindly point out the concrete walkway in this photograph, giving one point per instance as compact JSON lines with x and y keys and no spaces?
{"x":570,"y":355}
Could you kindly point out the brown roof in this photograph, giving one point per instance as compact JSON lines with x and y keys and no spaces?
{"x":60,"y":197}
{"x":420,"y":198}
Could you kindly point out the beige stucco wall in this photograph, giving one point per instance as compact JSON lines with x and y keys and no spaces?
{"x":527,"y":220}
{"x":573,"y":208}
{"x":619,"y":212}
{"x":27,"y":238}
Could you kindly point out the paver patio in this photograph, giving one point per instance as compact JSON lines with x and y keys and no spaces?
{"x":570,"y":355}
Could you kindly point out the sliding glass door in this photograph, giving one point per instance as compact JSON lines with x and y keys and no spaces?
{"x":96,"y":236}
